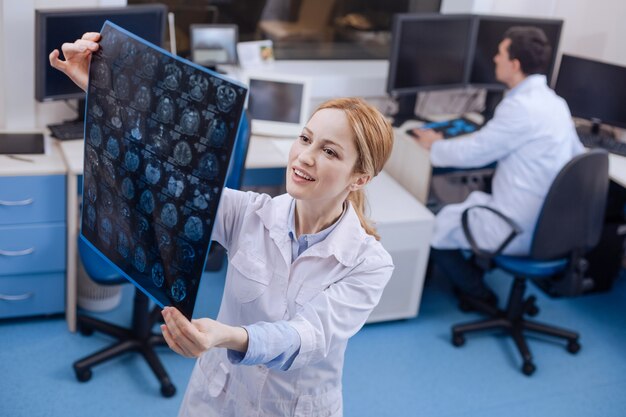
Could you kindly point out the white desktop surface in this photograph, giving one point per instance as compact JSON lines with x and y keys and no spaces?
{"x":617,"y":169}
{"x":48,"y":163}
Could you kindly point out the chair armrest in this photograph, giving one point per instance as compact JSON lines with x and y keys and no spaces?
{"x":482,"y":254}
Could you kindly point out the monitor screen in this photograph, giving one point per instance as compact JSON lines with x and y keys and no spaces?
{"x":488,"y":37}
{"x":213,"y":44}
{"x":429,"y":51}
{"x":593,"y":89}
{"x":278,"y":104}
{"x":56,"y":26}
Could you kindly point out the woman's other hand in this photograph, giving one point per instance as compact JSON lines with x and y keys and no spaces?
{"x":77,"y":57}
{"x":192,"y":338}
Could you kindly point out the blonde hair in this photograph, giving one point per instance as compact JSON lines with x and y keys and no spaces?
{"x":373,"y":137}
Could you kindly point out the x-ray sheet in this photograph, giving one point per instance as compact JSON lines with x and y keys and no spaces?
{"x":159,"y":134}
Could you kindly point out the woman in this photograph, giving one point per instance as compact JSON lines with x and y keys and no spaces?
{"x":305,"y":272}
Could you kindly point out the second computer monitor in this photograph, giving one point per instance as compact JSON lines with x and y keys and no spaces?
{"x":214,"y":44}
{"x":593,"y":90}
{"x":429,"y":51}
{"x":489,"y":35}
{"x":278,"y":103}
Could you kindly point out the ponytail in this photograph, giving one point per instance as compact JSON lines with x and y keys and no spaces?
{"x":359,"y":201}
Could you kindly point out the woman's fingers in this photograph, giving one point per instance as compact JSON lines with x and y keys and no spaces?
{"x":91,"y":36}
{"x":183,"y":332}
{"x":171,"y":342}
{"x":55,"y":61}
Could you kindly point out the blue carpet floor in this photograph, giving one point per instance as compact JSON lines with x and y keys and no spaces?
{"x":404,"y":368}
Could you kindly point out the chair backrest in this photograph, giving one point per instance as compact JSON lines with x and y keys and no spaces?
{"x":315,"y":13}
{"x":573,"y":212}
{"x":236,"y":168}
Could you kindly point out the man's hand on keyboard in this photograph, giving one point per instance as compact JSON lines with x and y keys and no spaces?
{"x":426,"y":137}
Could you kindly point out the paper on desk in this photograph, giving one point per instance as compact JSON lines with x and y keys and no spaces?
{"x":160,"y":131}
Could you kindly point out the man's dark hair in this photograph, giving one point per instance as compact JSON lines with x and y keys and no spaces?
{"x":530,"y":46}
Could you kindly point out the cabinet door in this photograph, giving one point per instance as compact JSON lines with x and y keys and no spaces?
{"x":32,"y":199}
{"x":32,"y":248}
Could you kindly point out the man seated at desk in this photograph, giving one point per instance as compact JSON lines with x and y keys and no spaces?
{"x":531,"y":136}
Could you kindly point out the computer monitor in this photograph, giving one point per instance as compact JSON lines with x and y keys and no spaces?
{"x":53,"y":27}
{"x":279,"y":104}
{"x":593,"y":90}
{"x":489,"y":35}
{"x":213,"y":45}
{"x":429,"y":51}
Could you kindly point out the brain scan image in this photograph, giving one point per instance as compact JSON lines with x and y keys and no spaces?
{"x":149,"y":64}
{"x":217,"y":133}
{"x":102,"y":78}
{"x":173,"y":76}
{"x":131,"y":160}
{"x":92,"y":160}
{"x":159,"y":136}
{"x":125,"y":210}
{"x":193,"y":228}
{"x":190,"y":121}
{"x":105,"y":230}
{"x":143,"y":98}
{"x":91,"y":216}
{"x":121,"y":86}
{"x":185,"y":255}
{"x":158,"y":276}
{"x":128,"y":53}
{"x":208,"y":166}
{"x":95,"y":135}
{"x":199,"y":87}
{"x":226,"y":98}
{"x":128,"y":188}
{"x":146,"y":202}
{"x":106,"y":202}
{"x":182,"y":153}
{"x":165,"y":109}
{"x":109,"y":172}
{"x":113,"y":147}
{"x":116,"y":117}
{"x":92,"y":192}
{"x":153,"y":171}
{"x":178,"y":290}
{"x":123,"y":244}
{"x":169,"y":215}
{"x":139,"y":259}
{"x":176,"y":184}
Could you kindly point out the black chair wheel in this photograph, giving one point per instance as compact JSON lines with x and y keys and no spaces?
{"x":573,"y":346}
{"x":465,"y":306}
{"x":530,"y":306}
{"x":528,"y":368}
{"x":168,"y":390}
{"x":458,"y":339}
{"x":83,"y":375}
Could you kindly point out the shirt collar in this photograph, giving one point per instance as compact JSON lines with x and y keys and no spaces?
{"x":528,"y":83}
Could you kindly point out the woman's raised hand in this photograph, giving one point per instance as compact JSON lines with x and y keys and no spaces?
{"x":77,"y":57}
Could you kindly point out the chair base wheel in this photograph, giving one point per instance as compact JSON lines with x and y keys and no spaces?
{"x":85,"y":330}
{"x":573,"y":346}
{"x":458,"y":340}
{"x":168,"y":390}
{"x":83,"y":375}
{"x":528,"y":368}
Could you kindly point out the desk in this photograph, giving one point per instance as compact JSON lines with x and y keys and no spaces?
{"x":617,"y":169}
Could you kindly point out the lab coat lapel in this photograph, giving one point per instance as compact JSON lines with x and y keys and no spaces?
{"x":274,"y":217}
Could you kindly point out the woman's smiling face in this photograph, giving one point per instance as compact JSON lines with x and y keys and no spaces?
{"x":322,"y":159}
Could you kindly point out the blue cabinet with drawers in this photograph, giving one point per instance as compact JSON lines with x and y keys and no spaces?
{"x":32,"y":245}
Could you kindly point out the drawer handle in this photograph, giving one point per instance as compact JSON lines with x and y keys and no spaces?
{"x":17,"y":252}
{"x":19,"y":297}
{"x":17,"y":203}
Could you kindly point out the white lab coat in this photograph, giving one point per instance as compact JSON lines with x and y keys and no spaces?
{"x":532,"y":136}
{"x":326,"y":295}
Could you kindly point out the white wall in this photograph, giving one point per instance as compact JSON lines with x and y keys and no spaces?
{"x":18,"y":108}
{"x":593,"y":28}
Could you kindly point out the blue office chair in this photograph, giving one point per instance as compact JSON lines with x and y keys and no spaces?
{"x":569,"y":224}
{"x":140,"y":338}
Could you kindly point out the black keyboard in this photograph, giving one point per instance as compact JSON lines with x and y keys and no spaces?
{"x":594,"y":140}
{"x":67,"y":130}
{"x":450,"y":128}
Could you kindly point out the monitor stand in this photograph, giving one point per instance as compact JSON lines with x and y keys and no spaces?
{"x":406,"y":110}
